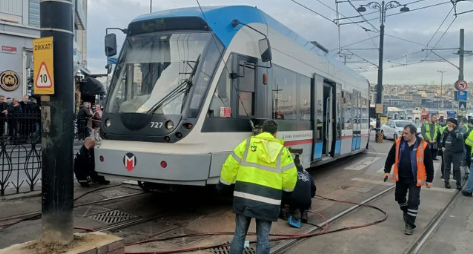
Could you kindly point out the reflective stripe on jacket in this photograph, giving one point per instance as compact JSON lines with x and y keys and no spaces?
{"x":427,"y":131}
{"x":421,"y":172}
{"x":261,"y":168}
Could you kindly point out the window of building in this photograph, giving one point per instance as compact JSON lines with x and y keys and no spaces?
{"x":304,"y":98}
{"x":33,"y":14}
{"x":284,"y":94}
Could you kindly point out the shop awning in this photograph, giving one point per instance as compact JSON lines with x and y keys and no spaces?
{"x":91,"y":86}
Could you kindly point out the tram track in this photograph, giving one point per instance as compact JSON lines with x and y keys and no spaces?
{"x":280,"y":248}
{"x":433,"y":226}
{"x":38,"y":213}
{"x":419,"y":243}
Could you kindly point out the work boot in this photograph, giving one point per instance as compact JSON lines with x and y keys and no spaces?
{"x":283,"y":214}
{"x":84,"y":184}
{"x":467,"y":194}
{"x":459,"y":186}
{"x":447,"y":185}
{"x":304,"y":217}
{"x":409,"y":230}
{"x":104,"y":182}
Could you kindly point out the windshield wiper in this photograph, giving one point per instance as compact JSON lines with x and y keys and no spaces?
{"x":182,"y":87}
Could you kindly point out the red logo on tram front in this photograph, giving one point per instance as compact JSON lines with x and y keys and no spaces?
{"x":129,"y":160}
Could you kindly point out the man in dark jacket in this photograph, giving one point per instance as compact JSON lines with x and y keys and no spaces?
{"x":452,"y":147}
{"x":84,"y":165}
{"x":413,"y":168}
{"x":14,"y":113}
{"x":84,"y":117}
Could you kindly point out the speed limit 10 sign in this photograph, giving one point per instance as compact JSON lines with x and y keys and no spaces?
{"x":43,"y":65}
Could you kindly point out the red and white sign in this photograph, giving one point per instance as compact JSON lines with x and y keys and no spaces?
{"x":225,"y":112}
{"x":461,"y":85}
{"x":129,"y":161}
{"x":43,"y":79}
{"x":9,"y":49}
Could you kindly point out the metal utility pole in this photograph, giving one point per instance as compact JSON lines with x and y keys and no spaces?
{"x":150,"y":6}
{"x":441,"y":88}
{"x":57,"y":116}
{"x":461,"y":53}
{"x":383,"y":7}
{"x":338,"y":26}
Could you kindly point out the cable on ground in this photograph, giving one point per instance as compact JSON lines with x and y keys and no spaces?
{"x":276,"y":237}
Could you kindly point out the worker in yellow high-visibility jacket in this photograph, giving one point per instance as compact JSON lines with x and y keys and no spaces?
{"x":469,"y":183}
{"x":261,"y":169}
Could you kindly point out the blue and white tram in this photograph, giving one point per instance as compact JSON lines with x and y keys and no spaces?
{"x":188,"y":80}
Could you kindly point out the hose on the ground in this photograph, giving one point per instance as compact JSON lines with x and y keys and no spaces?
{"x":276,"y":237}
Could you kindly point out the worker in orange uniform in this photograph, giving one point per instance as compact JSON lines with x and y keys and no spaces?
{"x":413,"y":168}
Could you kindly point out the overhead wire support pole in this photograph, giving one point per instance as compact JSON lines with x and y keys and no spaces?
{"x":338,"y":26}
{"x":382,"y":7}
{"x":461,"y":53}
{"x":57,"y":116}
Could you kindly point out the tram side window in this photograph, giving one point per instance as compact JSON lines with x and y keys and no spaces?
{"x":220,"y":106}
{"x":364,"y":113}
{"x":284,"y":94}
{"x":347,"y":111}
{"x":304,"y":97}
{"x":246,"y":88}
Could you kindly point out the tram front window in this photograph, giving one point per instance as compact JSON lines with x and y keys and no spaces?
{"x":154,"y":72}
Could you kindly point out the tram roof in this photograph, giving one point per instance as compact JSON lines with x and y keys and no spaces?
{"x":220,"y":18}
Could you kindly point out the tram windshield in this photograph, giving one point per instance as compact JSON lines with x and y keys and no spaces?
{"x":156,"y":71}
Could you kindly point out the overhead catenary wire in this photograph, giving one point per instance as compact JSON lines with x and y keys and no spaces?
{"x":399,"y":13}
{"x":440,"y":26}
{"x":311,"y":10}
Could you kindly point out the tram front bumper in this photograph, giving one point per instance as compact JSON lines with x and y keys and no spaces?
{"x":183,"y":169}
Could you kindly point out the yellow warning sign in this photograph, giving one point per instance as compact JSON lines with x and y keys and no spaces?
{"x":43,"y":65}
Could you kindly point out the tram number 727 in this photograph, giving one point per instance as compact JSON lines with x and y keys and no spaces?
{"x":156,"y":125}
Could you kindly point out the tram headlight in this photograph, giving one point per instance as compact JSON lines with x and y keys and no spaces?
{"x":108,"y":122}
{"x":169,"y":125}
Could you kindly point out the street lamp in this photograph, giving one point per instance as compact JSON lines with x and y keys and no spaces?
{"x":441,"y":90}
{"x":383,"y":7}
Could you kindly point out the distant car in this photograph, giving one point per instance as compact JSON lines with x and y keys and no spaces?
{"x":394,"y":128}
{"x":372,"y":123}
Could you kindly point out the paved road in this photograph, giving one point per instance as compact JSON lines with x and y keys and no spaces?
{"x":201,"y":210}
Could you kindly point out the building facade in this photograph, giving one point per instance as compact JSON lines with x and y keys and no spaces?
{"x":19,"y":25}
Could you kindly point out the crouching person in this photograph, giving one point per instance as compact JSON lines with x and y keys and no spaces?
{"x":84,"y":165}
{"x":300,"y":200}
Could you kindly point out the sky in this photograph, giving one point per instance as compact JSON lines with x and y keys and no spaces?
{"x":414,"y":43}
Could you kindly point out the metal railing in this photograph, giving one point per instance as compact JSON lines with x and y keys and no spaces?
{"x":20,"y":152}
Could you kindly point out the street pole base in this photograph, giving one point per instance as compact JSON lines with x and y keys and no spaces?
{"x":379,"y":137}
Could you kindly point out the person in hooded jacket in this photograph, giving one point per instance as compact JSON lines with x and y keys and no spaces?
{"x":300,"y":200}
{"x":261,"y":169}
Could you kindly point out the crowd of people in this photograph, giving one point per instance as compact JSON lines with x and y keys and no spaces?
{"x":88,"y":121}
{"x":19,"y":120}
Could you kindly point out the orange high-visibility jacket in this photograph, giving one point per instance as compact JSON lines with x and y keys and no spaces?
{"x":421,"y":172}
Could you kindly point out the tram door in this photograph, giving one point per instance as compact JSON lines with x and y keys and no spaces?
{"x":328,"y":119}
